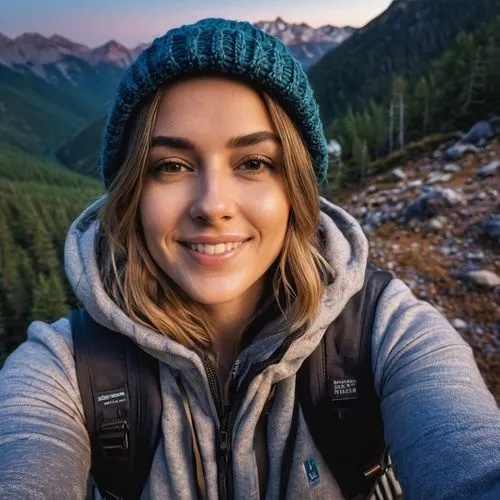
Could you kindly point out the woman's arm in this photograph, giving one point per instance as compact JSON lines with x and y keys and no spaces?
{"x":442,"y":425}
{"x":44,"y":446}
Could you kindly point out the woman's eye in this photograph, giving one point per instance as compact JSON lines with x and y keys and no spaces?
{"x":256,"y":165}
{"x":170,"y":167}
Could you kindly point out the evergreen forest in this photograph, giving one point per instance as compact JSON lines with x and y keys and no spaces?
{"x":454,"y":91}
{"x":38,"y":202}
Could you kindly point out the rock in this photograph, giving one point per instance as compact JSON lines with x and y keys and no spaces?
{"x":491,"y":226}
{"x":489,"y":169}
{"x":437,"y":223}
{"x":479,"y":133}
{"x":450,"y":196}
{"x":465,"y":212}
{"x":398,"y":175}
{"x":361,"y":211}
{"x":436,"y":177}
{"x":481,"y":196}
{"x":415,"y":183}
{"x":475,"y":256}
{"x":459,"y":324}
{"x":484,"y":278}
{"x":452,"y":168}
{"x":367,"y":229}
{"x":458,"y":151}
{"x":431,"y":203}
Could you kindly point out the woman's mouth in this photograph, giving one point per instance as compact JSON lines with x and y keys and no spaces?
{"x":218,"y":249}
{"x":213,"y":255}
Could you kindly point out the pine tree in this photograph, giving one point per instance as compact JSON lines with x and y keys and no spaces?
{"x":422,"y":96}
{"x":379,"y":127}
{"x":399,"y":91}
{"x":49,"y":301}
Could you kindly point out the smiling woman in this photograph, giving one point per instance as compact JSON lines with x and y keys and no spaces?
{"x":215,"y":214}
{"x":233,"y":342}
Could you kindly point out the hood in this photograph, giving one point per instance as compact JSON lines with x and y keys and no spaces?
{"x":345,"y":248}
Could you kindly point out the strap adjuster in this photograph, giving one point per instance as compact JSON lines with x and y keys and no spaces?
{"x":113,"y":435}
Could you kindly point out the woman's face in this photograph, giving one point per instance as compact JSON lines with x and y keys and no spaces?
{"x":214,"y":207}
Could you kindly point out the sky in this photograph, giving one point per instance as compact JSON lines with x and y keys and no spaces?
{"x":130,"y":22}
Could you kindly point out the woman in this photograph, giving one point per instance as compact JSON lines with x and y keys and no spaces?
{"x":211,"y":160}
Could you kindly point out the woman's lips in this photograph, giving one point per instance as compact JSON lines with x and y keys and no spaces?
{"x":206,"y":258}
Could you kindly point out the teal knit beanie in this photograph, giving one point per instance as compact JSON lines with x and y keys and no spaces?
{"x":215,"y":46}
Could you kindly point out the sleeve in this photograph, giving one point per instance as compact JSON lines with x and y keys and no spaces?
{"x":44,"y":445}
{"x":442,"y":425}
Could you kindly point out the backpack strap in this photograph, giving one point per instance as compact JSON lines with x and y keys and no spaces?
{"x":337,"y":395}
{"x":120,"y":390}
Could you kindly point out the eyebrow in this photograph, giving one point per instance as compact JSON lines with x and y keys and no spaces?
{"x":234,"y":143}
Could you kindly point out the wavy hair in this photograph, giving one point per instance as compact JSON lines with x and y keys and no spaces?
{"x":149,"y":297}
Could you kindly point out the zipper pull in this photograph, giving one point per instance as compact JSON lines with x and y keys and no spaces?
{"x":223,"y":442}
{"x":233,"y":379}
{"x":236,"y":369}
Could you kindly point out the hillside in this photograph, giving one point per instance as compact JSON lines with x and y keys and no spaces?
{"x":81,"y":152}
{"x":436,"y":224}
{"x":453,"y":92}
{"x":36,"y":116}
{"x":402,"y":40}
{"x":38,"y":201}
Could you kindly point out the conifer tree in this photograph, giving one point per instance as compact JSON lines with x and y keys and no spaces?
{"x":399,"y":91}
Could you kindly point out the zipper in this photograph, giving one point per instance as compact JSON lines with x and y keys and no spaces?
{"x":227,"y":413}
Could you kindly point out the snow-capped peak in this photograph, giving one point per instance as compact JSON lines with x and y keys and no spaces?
{"x":113,"y":52}
{"x":295,"y":33}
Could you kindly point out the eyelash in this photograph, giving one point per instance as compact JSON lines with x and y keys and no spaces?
{"x":156,"y":169}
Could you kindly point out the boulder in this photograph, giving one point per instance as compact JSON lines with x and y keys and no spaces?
{"x":415,"y":183}
{"x":437,"y":223}
{"x":431,"y":203}
{"x":475,"y":256}
{"x":458,"y":151}
{"x":436,"y":177}
{"x":491,"y":226}
{"x":478,"y":134}
{"x":452,"y":168}
{"x":397,"y":175}
{"x":484,"y":278}
{"x":459,"y":324}
{"x":489,"y":169}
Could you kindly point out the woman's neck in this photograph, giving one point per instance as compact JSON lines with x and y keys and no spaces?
{"x":230,"y":320}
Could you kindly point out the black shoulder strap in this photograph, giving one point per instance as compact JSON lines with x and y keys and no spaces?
{"x":119,"y":386}
{"x":337,"y":394}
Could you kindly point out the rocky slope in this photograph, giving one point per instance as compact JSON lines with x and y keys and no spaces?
{"x":436,"y":224}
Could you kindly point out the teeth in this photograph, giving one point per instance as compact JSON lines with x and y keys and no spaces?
{"x":218,"y":249}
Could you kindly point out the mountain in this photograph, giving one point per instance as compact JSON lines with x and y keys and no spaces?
{"x":51,"y":88}
{"x":307,"y":44}
{"x":293,"y":34}
{"x":80,"y":153}
{"x":58,"y":60}
{"x":403,"y":39}
{"x":94,"y":74}
{"x":37,"y":116}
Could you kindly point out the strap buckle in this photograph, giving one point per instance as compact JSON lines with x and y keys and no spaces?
{"x":379,"y":469}
{"x":113,"y":435}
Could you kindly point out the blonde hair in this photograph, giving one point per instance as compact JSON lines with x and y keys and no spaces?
{"x":149,"y":297}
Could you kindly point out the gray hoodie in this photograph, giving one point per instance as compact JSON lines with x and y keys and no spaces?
{"x":442,"y":425}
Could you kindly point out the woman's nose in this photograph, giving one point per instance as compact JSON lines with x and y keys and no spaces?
{"x":213,"y":198}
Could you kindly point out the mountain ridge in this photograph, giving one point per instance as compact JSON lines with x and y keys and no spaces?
{"x":39,"y":54}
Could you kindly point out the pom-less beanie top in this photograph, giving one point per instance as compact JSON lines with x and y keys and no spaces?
{"x":215,"y":46}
